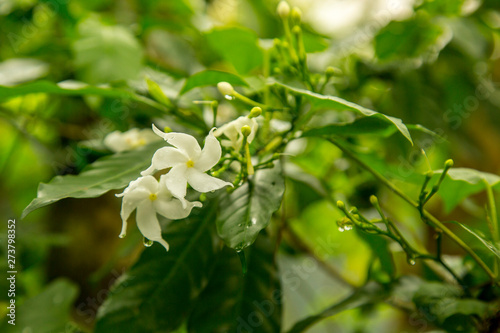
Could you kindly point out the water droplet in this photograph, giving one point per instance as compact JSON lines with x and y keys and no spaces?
{"x":240,"y":224}
{"x":253,"y":220}
{"x":243,"y":261}
{"x":411,"y":261}
{"x":348,"y":227}
{"x":147,"y":242}
{"x":229,"y":97}
{"x":341,"y":229}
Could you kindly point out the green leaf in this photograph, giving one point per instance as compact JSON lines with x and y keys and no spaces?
{"x":314,"y":43}
{"x":47,"y":312}
{"x":416,"y":38}
{"x":107,"y":173}
{"x":159,"y":291}
{"x":72,"y":88}
{"x":319,"y":101}
{"x":482,"y":240}
{"x":106,"y":53}
{"x":211,"y":78}
{"x":368,"y":294}
{"x":460,"y":183}
{"x":233,"y":302}
{"x":248,"y":209}
{"x":155,"y":91}
{"x":238,"y":46}
{"x":367,"y":125}
{"x":444,"y":306}
{"x":380,"y":249}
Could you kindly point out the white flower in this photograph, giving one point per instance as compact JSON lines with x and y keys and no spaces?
{"x":188,"y":162}
{"x":149,"y":197}
{"x":134,"y":138}
{"x":232,"y":131}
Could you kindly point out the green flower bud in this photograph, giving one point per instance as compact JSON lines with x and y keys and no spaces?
{"x":296,"y":14}
{"x":296,"y":30}
{"x":448,"y":164}
{"x":331,"y":71}
{"x":374,"y":200}
{"x":246,"y":130}
{"x":255,"y":112}
{"x":167,"y":129}
{"x":341,"y":205}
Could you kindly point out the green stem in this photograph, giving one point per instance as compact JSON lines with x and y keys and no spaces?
{"x":493,"y":212}
{"x":434,"y":221}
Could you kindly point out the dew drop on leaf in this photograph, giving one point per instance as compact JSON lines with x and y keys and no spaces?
{"x":147,"y":242}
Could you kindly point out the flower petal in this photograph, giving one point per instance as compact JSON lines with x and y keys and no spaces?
{"x":165,"y":157}
{"x":183,"y":141}
{"x":115,"y":142}
{"x":210,"y":154}
{"x":202,"y":182}
{"x":173,"y":208}
{"x":176,"y":182}
{"x":148,"y":223}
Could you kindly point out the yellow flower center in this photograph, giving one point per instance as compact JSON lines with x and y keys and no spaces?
{"x":153,"y":196}
{"x":190,"y":164}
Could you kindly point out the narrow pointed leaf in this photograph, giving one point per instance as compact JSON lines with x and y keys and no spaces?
{"x":319,"y":101}
{"x":107,"y":173}
{"x":248,"y":210}
{"x":485,"y":243}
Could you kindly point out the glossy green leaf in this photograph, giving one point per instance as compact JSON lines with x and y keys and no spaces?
{"x":319,"y":101}
{"x":368,"y":294}
{"x":159,"y":291}
{"x":211,"y":78}
{"x":155,"y":91}
{"x":47,"y":312}
{"x":248,"y":209}
{"x":107,"y":173}
{"x":485,"y":243}
{"x":233,"y":302}
{"x":238,"y":46}
{"x":460,"y":183}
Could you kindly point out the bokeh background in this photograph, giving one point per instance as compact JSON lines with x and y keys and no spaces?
{"x":434,"y":63}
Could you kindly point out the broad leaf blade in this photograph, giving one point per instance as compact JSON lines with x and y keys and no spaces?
{"x":319,"y":101}
{"x":158,"y":292}
{"x":211,"y":78}
{"x":107,"y":173}
{"x":231,"y":301}
{"x":248,"y":210}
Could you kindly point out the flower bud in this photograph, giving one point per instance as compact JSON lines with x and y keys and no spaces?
{"x":167,"y":129}
{"x":296,"y":30}
{"x":283,"y":9}
{"x":246,"y":130}
{"x":448,"y":164}
{"x":255,"y":112}
{"x":296,"y":14}
{"x":374,"y":200}
{"x":225,"y":88}
{"x":341,"y":205}
{"x":331,"y":71}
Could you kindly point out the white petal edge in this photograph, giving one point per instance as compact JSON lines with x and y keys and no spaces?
{"x":202,"y":182}
{"x":211,"y":153}
{"x":148,"y":223}
{"x":164,"y":158}
{"x":185,"y":142}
